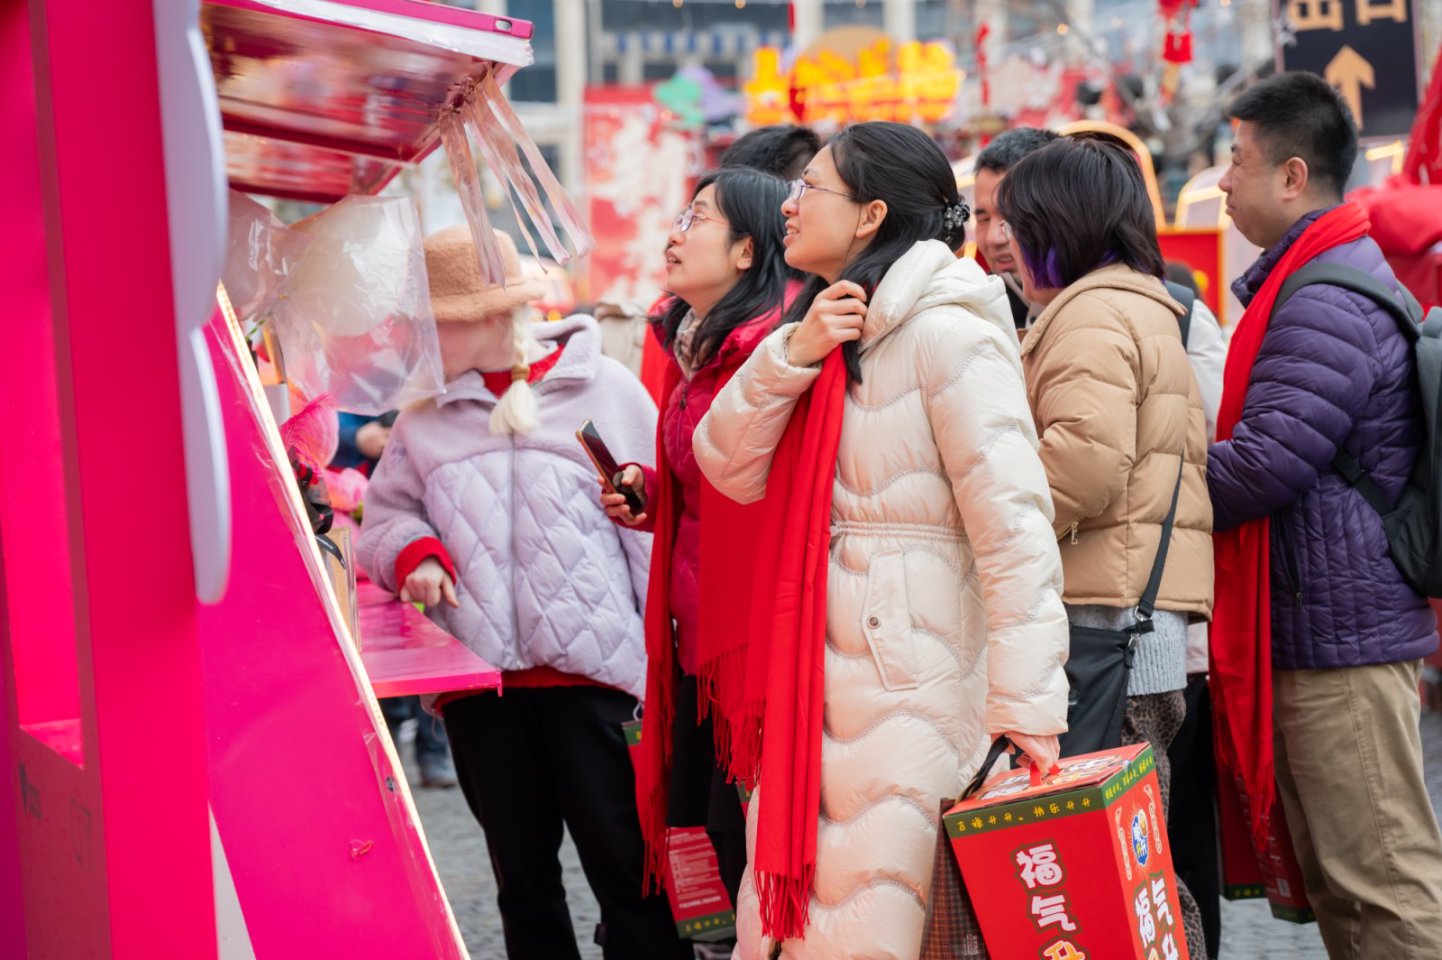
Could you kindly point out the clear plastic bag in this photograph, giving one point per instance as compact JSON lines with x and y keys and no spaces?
{"x":355,"y":319}
{"x":261,"y":253}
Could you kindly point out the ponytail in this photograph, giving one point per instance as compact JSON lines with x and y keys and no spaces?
{"x":515,"y":413}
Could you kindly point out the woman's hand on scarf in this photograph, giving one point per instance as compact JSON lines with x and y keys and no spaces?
{"x":835,"y":317}
{"x":615,"y":504}
{"x":1041,"y":751}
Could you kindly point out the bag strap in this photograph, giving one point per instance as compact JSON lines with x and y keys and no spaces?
{"x":1403,"y":308}
{"x":1147,"y":605}
{"x":1188,"y":299}
{"x":1397,"y":301}
{"x":999,"y":746}
{"x":1357,"y":477}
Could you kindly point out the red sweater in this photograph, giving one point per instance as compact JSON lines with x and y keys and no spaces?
{"x":678,"y":534}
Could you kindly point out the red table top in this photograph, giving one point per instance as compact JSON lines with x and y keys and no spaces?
{"x":404,"y":653}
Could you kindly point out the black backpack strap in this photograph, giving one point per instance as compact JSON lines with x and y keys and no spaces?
{"x":1400,"y":304}
{"x":1397,"y":301}
{"x":1357,"y":476}
{"x":1183,"y":295}
{"x":1147,"y":605}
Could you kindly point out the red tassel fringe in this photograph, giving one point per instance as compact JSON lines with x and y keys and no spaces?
{"x":785,"y":903}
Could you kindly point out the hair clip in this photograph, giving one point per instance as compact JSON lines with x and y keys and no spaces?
{"x":956,"y":215}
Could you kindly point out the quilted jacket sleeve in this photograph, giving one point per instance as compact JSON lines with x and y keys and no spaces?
{"x":628,"y":422}
{"x":394,"y":514}
{"x":735,"y":441}
{"x":1312,"y":377}
{"x":977,"y":406}
{"x":1087,"y":413}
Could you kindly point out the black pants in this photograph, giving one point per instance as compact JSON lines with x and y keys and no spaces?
{"x":700,"y":794}
{"x":531,"y":761}
{"x":1191,"y":823}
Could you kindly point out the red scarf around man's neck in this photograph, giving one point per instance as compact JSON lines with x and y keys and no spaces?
{"x":1241,"y":639}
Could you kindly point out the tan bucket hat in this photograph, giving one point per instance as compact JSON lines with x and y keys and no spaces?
{"x":459,"y":294}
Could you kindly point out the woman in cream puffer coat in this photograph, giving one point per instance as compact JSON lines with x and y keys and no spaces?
{"x":945,"y":621}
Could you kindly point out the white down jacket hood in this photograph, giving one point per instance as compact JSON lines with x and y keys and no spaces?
{"x":545,"y":578}
{"x":945,"y":623}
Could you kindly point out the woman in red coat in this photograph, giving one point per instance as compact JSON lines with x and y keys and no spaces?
{"x":726,"y":271}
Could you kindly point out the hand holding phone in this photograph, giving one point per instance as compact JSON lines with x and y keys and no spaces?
{"x":606,"y":467}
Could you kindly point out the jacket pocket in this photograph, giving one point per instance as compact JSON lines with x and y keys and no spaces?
{"x":1291,"y":572}
{"x":886,"y":622}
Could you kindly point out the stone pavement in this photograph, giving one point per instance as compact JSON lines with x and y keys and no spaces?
{"x":1248,"y":930}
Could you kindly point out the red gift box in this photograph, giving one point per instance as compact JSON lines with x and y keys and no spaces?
{"x":1246,"y":874}
{"x":700,"y":904}
{"x":1075,"y":867}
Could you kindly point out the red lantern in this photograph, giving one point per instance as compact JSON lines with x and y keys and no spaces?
{"x":1177,"y":47}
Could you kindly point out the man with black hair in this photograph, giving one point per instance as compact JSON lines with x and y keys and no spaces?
{"x":1317,"y":638}
{"x":783,"y":150}
{"x":991,"y":241}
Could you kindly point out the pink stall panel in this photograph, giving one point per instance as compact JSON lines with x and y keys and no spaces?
{"x":404,"y":653}
{"x":312,"y":808}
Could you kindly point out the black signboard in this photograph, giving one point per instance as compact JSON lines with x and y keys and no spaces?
{"x":1367,"y":49}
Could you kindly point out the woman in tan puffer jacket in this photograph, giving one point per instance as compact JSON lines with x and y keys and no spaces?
{"x":1119,"y":414}
{"x":945,"y":625}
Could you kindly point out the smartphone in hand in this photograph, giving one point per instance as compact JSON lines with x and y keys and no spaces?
{"x":607,"y":467}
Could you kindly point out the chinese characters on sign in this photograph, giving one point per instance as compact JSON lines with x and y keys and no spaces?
{"x":1367,"y":50}
{"x":910,"y":82}
{"x":1041,"y":871}
{"x":1155,"y":921}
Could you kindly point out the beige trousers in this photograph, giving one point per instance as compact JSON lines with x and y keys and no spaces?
{"x":1349,"y":773}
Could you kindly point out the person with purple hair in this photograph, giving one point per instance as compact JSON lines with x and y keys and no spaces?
{"x":1122,"y":428}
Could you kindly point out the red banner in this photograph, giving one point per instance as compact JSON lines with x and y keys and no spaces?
{"x":1201,"y":250}
{"x":639,"y":171}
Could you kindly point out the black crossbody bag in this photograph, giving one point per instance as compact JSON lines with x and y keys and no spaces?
{"x":1099,"y":664}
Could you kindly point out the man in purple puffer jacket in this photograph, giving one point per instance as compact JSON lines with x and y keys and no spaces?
{"x":1333,"y":372}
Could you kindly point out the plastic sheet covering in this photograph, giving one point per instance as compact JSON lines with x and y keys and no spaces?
{"x":481,"y":108}
{"x":260,"y":256}
{"x":468,"y":186}
{"x":487,"y":92}
{"x":355,"y":320}
{"x":308,"y":793}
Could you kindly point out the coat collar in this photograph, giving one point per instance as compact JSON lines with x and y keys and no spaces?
{"x":578,"y":362}
{"x":1115,"y":277}
{"x":930,"y":275}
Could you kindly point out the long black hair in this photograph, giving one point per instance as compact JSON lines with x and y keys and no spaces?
{"x":903,"y":167}
{"x":750,"y":200}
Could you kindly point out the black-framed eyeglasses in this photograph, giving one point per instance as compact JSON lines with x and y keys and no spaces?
{"x":688,"y":218}
{"x":799,"y":188}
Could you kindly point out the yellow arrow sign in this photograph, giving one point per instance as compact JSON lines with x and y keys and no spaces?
{"x":1349,"y":72}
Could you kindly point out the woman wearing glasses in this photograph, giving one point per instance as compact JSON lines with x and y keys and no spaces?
{"x":726,"y":271}
{"x":944,"y":624}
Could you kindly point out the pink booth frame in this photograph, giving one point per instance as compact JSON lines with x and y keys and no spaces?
{"x":182,"y":778}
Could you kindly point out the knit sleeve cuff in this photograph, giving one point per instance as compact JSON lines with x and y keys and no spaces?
{"x":416,"y":552}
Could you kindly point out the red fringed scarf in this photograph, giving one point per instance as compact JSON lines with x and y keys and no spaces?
{"x":1241,"y":641}
{"x":728,"y":539}
{"x":785,"y":677}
